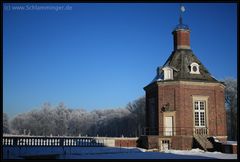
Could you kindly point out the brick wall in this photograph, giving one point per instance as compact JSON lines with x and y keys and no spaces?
{"x":126,"y":143}
{"x":181,"y":39}
{"x":180,"y":98}
{"x":182,"y":142}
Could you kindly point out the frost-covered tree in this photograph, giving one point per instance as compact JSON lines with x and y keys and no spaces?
{"x":5,"y":124}
{"x":231,"y":104}
{"x":61,"y":120}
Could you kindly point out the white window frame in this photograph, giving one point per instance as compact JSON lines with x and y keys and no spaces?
{"x":191,"y":69}
{"x":200,"y":110}
{"x":200,"y":99}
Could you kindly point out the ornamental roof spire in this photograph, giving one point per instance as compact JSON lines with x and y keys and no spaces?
{"x":181,"y":25}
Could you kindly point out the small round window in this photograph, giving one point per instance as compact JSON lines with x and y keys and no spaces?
{"x":194,"y":68}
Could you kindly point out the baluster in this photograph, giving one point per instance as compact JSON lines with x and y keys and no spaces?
{"x":38,"y":142}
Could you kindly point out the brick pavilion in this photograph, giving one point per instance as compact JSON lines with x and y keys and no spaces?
{"x":185,"y":104}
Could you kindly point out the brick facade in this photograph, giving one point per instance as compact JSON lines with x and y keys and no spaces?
{"x":178,"y":95}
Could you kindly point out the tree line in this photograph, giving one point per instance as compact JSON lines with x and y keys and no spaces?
{"x":63,"y":121}
{"x":127,"y":121}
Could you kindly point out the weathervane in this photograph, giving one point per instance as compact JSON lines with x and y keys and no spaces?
{"x":182,"y":9}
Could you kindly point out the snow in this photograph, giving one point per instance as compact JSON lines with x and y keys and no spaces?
{"x":199,"y":152}
{"x":231,"y":142}
{"x":112,"y":153}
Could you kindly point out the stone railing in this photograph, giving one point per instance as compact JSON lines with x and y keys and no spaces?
{"x":51,"y":141}
{"x":201,"y":131}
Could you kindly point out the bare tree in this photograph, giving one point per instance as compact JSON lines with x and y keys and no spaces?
{"x":231,"y":103}
{"x":137,"y":109}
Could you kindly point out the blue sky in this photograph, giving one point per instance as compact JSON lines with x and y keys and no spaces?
{"x":101,"y":55}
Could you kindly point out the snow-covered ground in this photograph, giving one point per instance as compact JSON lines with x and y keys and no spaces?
{"x":112,"y":153}
{"x":199,"y":152}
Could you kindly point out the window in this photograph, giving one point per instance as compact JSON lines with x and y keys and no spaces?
{"x":199,"y":113}
{"x":194,"y":68}
{"x":165,"y":145}
{"x":168,"y":73}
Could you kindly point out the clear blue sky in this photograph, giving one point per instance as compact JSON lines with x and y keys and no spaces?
{"x":96,"y":56}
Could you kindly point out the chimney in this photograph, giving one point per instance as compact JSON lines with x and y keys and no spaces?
{"x":181,"y":38}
